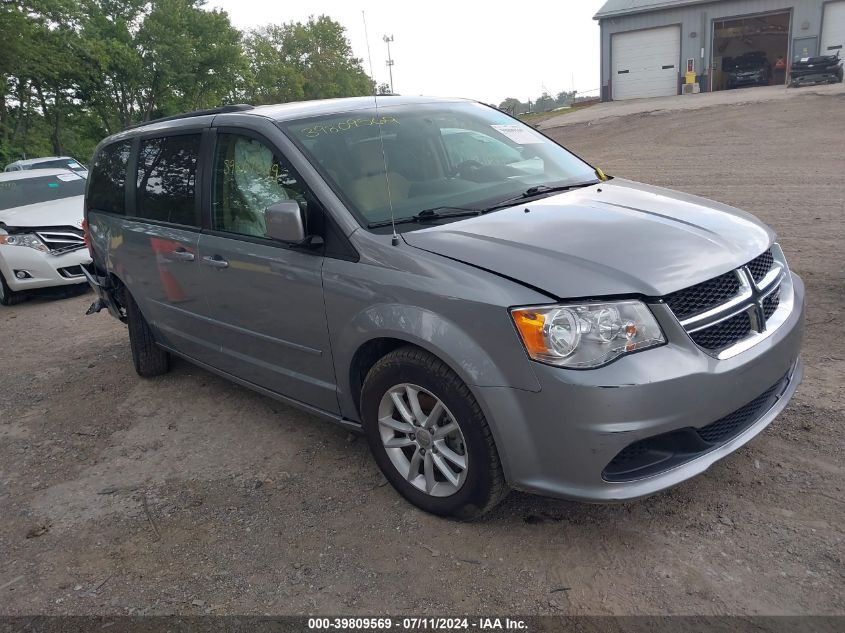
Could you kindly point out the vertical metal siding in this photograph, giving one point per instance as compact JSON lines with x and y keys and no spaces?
{"x":691,"y":18}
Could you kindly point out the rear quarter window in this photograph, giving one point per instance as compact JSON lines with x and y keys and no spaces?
{"x":167,"y":178}
{"x":108,"y":179}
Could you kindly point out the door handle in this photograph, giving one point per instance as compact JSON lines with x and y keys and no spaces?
{"x":215,"y":261}
{"x":182,"y":255}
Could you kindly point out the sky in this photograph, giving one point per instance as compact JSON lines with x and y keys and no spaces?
{"x":458,"y":48}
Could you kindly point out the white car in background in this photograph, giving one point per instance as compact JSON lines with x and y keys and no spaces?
{"x":49,"y":162}
{"x":41,"y":237}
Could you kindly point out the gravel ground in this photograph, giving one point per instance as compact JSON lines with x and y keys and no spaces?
{"x":740,"y":96}
{"x":187,"y":494}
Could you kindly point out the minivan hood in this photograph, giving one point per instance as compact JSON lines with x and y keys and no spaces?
{"x":615,"y":237}
{"x":62,"y":212}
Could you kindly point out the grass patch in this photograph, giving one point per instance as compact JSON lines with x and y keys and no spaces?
{"x":533,"y":118}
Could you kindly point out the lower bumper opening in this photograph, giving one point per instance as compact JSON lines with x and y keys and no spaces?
{"x":656,"y":454}
{"x":71,"y":271}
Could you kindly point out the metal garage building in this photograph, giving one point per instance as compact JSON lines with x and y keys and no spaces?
{"x":647,"y":46}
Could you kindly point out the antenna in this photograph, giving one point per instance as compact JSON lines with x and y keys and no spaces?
{"x":395,"y":239}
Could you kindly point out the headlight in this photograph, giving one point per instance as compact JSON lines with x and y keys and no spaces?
{"x":24,"y":239}
{"x":586,"y":335}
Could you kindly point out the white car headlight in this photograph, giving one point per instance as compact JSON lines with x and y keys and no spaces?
{"x":582,"y":336}
{"x":24,"y":239}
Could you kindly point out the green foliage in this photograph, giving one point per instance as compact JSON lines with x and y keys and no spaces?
{"x":543,"y":103}
{"x":295,"y":61}
{"x":74,"y":71}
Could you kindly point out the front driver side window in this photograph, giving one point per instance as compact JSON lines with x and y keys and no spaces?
{"x":248,"y":178}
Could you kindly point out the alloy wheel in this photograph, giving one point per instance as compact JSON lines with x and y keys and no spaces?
{"x":423,"y":440}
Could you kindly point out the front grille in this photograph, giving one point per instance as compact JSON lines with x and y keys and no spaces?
{"x":771,"y":303}
{"x":702,"y":308}
{"x":690,"y":301}
{"x":61,"y":239}
{"x":761,"y":265}
{"x":658,"y":453}
{"x":723,"y":334}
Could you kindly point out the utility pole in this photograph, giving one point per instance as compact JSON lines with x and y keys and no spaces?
{"x":388,"y":40}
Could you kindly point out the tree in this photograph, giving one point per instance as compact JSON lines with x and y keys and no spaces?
{"x":198,"y":68}
{"x":544,"y":103}
{"x":384,"y":89}
{"x":144,"y":61}
{"x":37,"y":40}
{"x":295,"y":61}
{"x":565,"y":98}
{"x":75,"y":71}
{"x":112,"y":65}
{"x":513,"y":106}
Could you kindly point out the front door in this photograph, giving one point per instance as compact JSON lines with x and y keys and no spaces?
{"x":265,"y":299}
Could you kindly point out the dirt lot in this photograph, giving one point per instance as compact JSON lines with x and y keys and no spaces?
{"x":187,"y":494}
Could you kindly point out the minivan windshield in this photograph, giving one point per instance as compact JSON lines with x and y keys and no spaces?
{"x":434,"y":156}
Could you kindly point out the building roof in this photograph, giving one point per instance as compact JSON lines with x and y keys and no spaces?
{"x":615,"y":8}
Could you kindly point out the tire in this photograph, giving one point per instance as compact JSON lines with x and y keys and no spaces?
{"x":149,"y":359}
{"x":481,"y":483}
{"x":9,"y":297}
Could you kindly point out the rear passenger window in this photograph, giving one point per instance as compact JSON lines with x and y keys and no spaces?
{"x":167,"y":178}
{"x":108,"y":178}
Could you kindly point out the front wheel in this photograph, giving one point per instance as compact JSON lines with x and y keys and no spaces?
{"x":9,"y":297}
{"x":429,"y":436}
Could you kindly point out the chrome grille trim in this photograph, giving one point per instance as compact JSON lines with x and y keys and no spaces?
{"x":61,"y":241}
{"x":750,"y":299}
{"x":716,"y":314}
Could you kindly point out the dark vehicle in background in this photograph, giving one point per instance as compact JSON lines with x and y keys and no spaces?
{"x":823,"y":69}
{"x":748,"y":69}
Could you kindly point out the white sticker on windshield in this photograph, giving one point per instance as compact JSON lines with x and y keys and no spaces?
{"x":518,"y":134}
{"x":68,"y":177}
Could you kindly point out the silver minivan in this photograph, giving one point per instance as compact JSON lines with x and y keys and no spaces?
{"x":489,"y":309}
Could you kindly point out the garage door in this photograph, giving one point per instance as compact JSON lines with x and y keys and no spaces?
{"x":645,"y":63}
{"x":833,"y":29}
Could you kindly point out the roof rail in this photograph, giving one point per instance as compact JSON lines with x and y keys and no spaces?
{"x":237,"y":107}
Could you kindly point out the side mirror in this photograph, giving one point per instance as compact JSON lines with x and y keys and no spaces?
{"x":285,"y":222}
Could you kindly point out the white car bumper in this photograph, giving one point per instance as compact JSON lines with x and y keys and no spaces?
{"x":42,"y":269}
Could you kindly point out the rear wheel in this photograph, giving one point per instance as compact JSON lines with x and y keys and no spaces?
{"x":149,"y":359}
{"x":9,"y":297}
{"x":429,"y":436}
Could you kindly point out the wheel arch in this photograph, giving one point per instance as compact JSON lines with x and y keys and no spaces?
{"x":378,"y":331}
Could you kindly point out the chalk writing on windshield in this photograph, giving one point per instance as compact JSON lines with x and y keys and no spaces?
{"x":345,"y":126}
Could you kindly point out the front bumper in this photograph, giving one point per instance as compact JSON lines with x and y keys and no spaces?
{"x":738,"y":82}
{"x":559,"y":441}
{"x":44,"y":269}
{"x":825,"y":77}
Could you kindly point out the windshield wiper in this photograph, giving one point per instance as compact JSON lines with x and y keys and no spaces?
{"x":436,"y":213}
{"x":537,"y":190}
